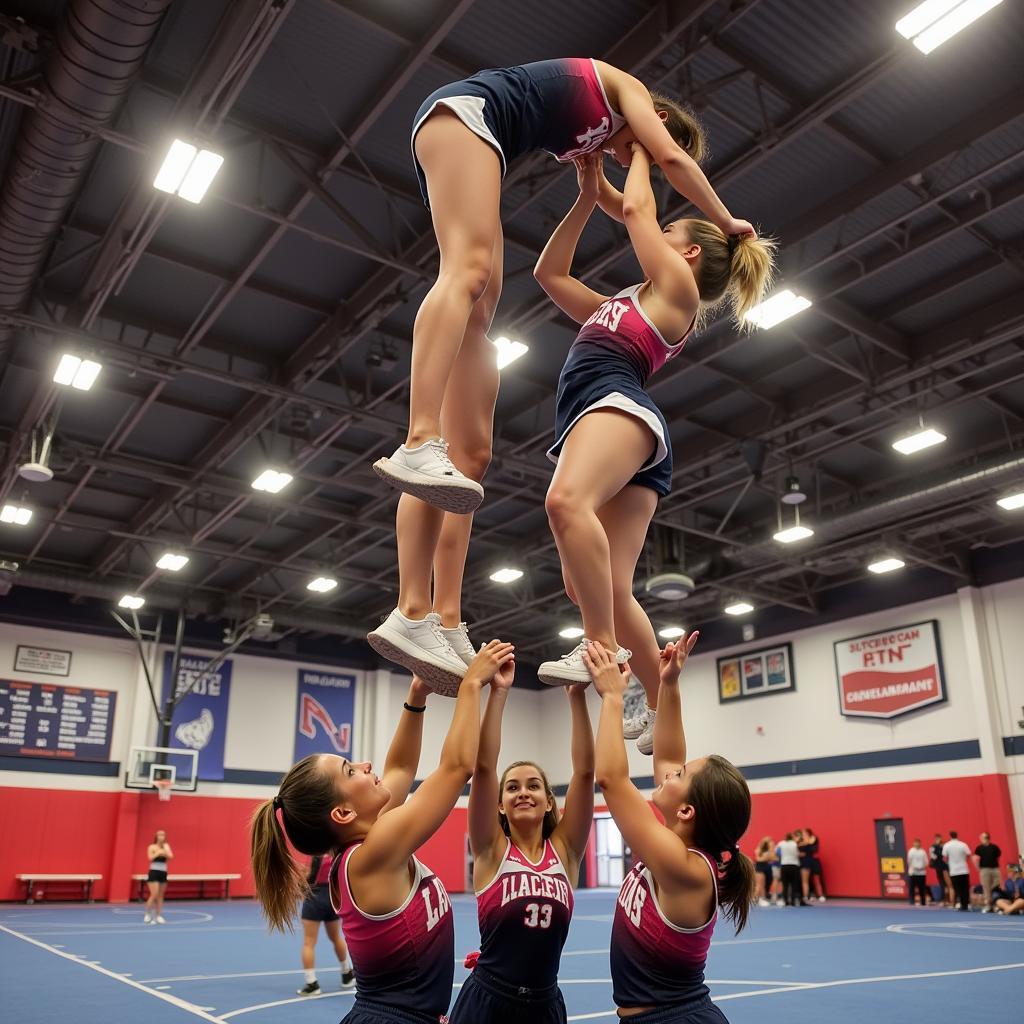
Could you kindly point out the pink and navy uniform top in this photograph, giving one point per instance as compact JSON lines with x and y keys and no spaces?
{"x":654,"y":962}
{"x":405,"y":959}
{"x":524,"y":918}
{"x":554,"y":105}
{"x":620,"y":325}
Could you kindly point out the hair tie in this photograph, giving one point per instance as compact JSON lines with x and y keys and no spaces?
{"x":278,"y":803}
{"x":731,"y":242}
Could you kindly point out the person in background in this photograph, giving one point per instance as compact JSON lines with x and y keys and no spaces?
{"x":789,"y":859}
{"x":763,"y":857}
{"x":814,"y":848}
{"x":317,"y":909}
{"x":986,"y":860}
{"x":158,"y":853}
{"x":917,"y":872}
{"x":1012,"y":899}
{"x":955,"y":853}
{"x":776,"y":876}
{"x":941,"y":869}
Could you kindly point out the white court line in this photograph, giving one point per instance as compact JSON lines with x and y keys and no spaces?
{"x":242,"y":974}
{"x":807,"y":935}
{"x":165,"y":929}
{"x":284,"y":1002}
{"x":173,"y":1000}
{"x":910,"y":929}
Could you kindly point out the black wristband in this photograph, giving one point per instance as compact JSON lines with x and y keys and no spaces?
{"x":415,"y":710}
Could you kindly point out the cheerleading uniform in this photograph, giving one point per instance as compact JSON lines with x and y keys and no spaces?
{"x":317,"y":904}
{"x":524,"y":915}
{"x":405,"y":960}
{"x":656,"y":963}
{"x":157,"y":869}
{"x":555,"y":105}
{"x":614,"y":355}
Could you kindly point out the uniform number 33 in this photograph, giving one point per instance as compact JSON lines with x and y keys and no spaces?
{"x":538,"y":916}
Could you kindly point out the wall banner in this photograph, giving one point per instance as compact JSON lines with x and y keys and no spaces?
{"x":755,"y":673}
{"x":200,"y":720}
{"x":46,"y":720}
{"x":326,"y":711}
{"x":891,"y":672}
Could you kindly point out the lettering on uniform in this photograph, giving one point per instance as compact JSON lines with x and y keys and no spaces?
{"x":444,"y":904}
{"x":609,"y":314}
{"x":532,"y":885}
{"x":632,"y":897}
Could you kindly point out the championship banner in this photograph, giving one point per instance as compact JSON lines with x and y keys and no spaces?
{"x":326,"y":711}
{"x":200,"y":719}
{"x":885,"y":674}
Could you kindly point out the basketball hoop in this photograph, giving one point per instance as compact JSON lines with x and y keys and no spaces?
{"x":163,"y":789}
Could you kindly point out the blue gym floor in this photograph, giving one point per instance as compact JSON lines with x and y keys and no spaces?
{"x":841,"y":963}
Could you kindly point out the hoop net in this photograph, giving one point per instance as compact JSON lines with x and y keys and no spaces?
{"x":163,"y":789}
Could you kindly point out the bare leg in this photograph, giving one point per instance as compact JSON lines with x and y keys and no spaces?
{"x":161,"y":888}
{"x":467,"y":420}
{"x":464,"y":183}
{"x":625,"y":519}
{"x":333,"y":930}
{"x":151,"y":899}
{"x":599,"y":457}
{"x":805,"y":881}
{"x":309,"y":933}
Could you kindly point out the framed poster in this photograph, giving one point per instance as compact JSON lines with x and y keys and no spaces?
{"x":42,"y":661}
{"x":755,"y":673}
{"x":891,"y":672}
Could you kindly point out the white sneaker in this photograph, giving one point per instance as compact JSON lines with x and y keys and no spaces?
{"x":458,"y":637}
{"x":645,"y":741}
{"x":570,"y":668}
{"x":160,"y":919}
{"x":146,"y":919}
{"x":420,"y":646}
{"x":633,"y":727}
{"x":821,"y":899}
{"x":763,"y":903}
{"x":427,"y":473}
{"x":985,"y":910}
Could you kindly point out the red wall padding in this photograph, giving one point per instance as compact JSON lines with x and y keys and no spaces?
{"x":72,"y":830}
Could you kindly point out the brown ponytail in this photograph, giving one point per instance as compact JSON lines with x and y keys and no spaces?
{"x":306,"y":798}
{"x":683,"y":126}
{"x":721,"y":798}
{"x":550,"y":816}
{"x":738,"y":271}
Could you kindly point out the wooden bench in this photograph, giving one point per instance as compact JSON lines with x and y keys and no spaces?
{"x":219,"y":876}
{"x":30,"y":878}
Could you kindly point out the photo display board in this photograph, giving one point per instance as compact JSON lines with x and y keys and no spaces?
{"x":47,"y":720}
{"x":756,"y":673}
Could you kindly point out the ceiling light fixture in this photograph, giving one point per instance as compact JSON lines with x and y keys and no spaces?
{"x":739,"y":608}
{"x":75,"y":372}
{"x":187,"y":171}
{"x":509,"y":351}
{"x":571,"y":632}
{"x":781,"y":306}
{"x":171,"y":561}
{"x":16,"y":515}
{"x":931,"y":23}
{"x":271,"y":481}
{"x":926,"y":437}
{"x":322,"y":584}
{"x":1012,"y":502}
{"x":888,"y":564}
{"x":507,"y":575}
{"x":671,"y":632}
{"x":131,"y":601}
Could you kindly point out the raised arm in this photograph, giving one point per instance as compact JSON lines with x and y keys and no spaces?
{"x":609,"y":198}
{"x":669,"y":735}
{"x":486,"y":839}
{"x":573,"y":830}
{"x":554,"y":265}
{"x":659,"y":848}
{"x":684,"y":175}
{"x":403,"y":755}
{"x":395,"y":836}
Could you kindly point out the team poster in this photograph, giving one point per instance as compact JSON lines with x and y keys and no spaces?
{"x":200,"y":718}
{"x":326,"y":711}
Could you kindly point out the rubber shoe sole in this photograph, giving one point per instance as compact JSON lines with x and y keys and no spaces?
{"x":561,"y":677}
{"x":443,"y":681}
{"x":460,"y":496}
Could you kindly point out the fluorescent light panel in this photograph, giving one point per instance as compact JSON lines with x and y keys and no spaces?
{"x":507,"y":575}
{"x":671,"y":632}
{"x":571,"y":632}
{"x":171,"y":561}
{"x":200,"y":175}
{"x":886,"y":565}
{"x":509,"y":351}
{"x":272,"y":481}
{"x":132,"y":602}
{"x":77,"y":373}
{"x":187,"y":171}
{"x":779,"y":307}
{"x":930,"y":24}
{"x":793,"y":533}
{"x":16,"y":515}
{"x":918,"y":441}
{"x":739,"y":608}
{"x":1012,"y":502}
{"x":322,"y":584}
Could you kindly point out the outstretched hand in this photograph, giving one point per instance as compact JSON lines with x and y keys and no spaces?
{"x":610,"y":678}
{"x":740,"y":228}
{"x":588,"y":176}
{"x":674,"y":656}
{"x":492,"y":657}
{"x":505,"y":675}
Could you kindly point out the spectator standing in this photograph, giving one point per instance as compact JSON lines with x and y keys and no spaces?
{"x":986,"y":860}
{"x":955,"y":853}
{"x":811,"y":864}
{"x":941,"y":869}
{"x":763,"y":857}
{"x":789,"y":859}
{"x":917,"y":872}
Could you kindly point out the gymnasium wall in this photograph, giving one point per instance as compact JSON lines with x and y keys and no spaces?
{"x":945,"y":766}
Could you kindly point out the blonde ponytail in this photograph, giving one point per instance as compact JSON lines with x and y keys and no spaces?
{"x":683,"y":126}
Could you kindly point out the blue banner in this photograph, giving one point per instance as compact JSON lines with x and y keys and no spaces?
{"x":45,"y":720}
{"x":326,"y":711}
{"x":201,"y":717}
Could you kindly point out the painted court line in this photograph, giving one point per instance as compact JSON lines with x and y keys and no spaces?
{"x":283,"y":1002}
{"x":173,"y":1000}
{"x":916,"y":929}
{"x":806,"y":935}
